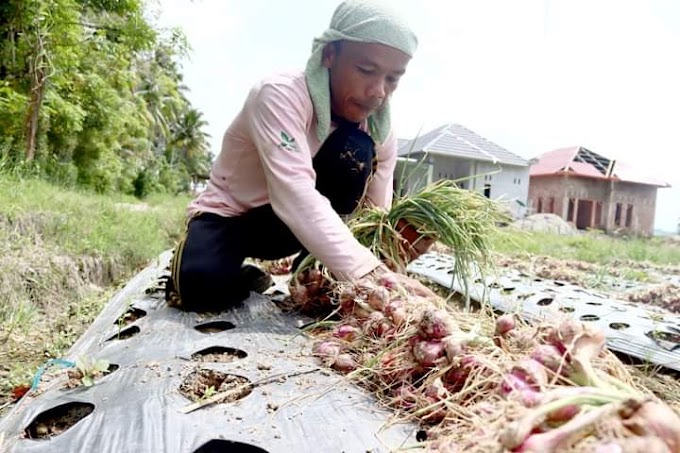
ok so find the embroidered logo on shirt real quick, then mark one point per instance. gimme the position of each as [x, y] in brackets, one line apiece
[287, 143]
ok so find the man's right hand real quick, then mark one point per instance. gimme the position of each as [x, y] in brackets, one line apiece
[411, 285]
[415, 244]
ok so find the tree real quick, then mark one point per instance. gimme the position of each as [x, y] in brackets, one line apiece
[191, 143]
[92, 94]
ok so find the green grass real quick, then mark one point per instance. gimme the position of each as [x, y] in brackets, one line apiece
[82, 223]
[63, 253]
[591, 247]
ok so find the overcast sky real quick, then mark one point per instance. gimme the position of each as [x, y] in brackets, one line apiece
[530, 75]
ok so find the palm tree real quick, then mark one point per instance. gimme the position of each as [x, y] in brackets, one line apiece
[191, 142]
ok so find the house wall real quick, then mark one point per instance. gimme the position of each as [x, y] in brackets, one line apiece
[411, 176]
[553, 194]
[450, 168]
[507, 183]
[643, 200]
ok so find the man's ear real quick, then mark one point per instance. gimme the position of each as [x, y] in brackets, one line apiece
[330, 53]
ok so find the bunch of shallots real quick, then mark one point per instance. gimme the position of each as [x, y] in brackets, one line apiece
[427, 360]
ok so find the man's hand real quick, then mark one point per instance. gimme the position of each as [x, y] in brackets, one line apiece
[411, 285]
[415, 244]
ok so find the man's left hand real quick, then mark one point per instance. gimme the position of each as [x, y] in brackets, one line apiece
[415, 243]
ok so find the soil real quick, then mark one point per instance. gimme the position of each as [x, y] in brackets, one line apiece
[218, 354]
[214, 327]
[197, 383]
[664, 295]
[75, 376]
[57, 420]
[125, 334]
[130, 316]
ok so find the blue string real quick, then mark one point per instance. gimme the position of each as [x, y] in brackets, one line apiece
[41, 370]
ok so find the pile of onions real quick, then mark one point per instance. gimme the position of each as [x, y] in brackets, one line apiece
[542, 389]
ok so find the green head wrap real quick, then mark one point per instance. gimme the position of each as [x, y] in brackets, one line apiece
[359, 21]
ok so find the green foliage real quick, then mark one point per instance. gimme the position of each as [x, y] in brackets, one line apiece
[590, 247]
[82, 223]
[12, 109]
[91, 369]
[103, 89]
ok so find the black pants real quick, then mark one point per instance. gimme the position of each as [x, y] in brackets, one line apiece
[207, 262]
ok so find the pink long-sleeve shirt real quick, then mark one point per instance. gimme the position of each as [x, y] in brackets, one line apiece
[266, 157]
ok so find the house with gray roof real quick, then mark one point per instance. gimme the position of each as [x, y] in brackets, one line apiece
[454, 152]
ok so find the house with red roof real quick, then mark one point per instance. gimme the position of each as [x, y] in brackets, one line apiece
[593, 191]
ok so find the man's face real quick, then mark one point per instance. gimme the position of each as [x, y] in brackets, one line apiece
[362, 76]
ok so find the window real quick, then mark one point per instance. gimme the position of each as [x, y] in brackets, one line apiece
[487, 190]
[617, 214]
[629, 216]
[570, 210]
[551, 205]
[539, 206]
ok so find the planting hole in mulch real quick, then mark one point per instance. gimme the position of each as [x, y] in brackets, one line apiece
[593, 303]
[130, 316]
[589, 318]
[158, 287]
[55, 421]
[214, 326]
[228, 446]
[545, 301]
[218, 354]
[567, 309]
[125, 333]
[619, 325]
[75, 376]
[421, 435]
[667, 340]
[203, 383]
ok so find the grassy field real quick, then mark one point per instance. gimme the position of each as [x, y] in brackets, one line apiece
[591, 247]
[62, 254]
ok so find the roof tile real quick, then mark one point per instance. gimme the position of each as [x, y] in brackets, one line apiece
[459, 141]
